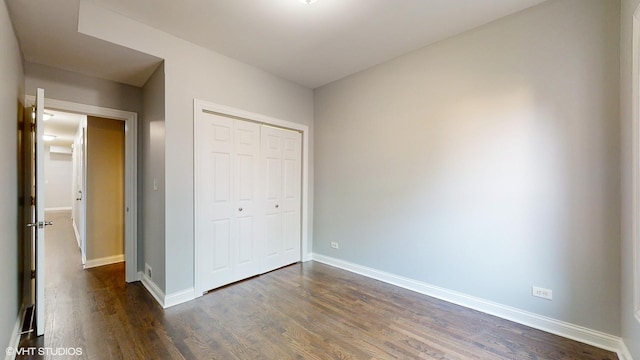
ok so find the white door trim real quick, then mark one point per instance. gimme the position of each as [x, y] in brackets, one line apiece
[198, 107]
[130, 172]
[635, 157]
[40, 219]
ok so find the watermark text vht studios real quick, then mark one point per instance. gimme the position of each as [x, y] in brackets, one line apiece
[44, 351]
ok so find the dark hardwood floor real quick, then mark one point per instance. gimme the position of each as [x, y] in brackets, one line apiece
[304, 311]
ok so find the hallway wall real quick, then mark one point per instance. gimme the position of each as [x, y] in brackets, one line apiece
[58, 172]
[69, 86]
[11, 90]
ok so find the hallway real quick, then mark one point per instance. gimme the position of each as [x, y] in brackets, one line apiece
[93, 309]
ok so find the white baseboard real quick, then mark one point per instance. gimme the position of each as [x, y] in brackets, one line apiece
[14, 342]
[557, 327]
[152, 288]
[103, 261]
[166, 301]
[623, 353]
[77, 233]
[57, 209]
[179, 297]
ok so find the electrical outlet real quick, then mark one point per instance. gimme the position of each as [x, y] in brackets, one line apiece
[334, 245]
[541, 292]
[147, 271]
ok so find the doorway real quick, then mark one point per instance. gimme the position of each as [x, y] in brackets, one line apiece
[60, 165]
[102, 191]
[84, 180]
[129, 205]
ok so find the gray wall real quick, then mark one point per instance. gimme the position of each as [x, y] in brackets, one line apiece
[11, 90]
[485, 163]
[192, 72]
[58, 171]
[151, 162]
[69, 86]
[630, 326]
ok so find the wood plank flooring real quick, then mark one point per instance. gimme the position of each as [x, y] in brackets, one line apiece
[304, 311]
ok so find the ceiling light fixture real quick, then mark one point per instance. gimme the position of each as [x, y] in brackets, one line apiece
[308, 2]
[48, 137]
[45, 116]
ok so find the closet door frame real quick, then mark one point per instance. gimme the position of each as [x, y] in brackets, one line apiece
[201, 107]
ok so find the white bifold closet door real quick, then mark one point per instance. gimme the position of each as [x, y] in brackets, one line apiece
[281, 154]
[248, 199]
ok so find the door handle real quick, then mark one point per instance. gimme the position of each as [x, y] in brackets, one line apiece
[40, 224]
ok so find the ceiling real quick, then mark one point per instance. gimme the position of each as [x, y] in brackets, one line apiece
[63, 126]
[311, 45]
[48, 34]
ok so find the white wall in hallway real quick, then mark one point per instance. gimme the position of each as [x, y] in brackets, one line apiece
[58, 176]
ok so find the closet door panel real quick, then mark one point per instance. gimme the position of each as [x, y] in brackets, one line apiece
[291, 235]
[219, 181]
[247, 261]
[221, 239]
[291, 199]
[214, 186]
[272, 183]
[281, 153]
[273, 239]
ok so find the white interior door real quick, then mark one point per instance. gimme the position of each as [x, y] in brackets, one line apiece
[82, 192]
[282, 160]
[39, 221]
[79, 191]
[227, 218]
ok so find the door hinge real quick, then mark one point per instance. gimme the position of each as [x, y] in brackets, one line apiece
[33, 201]
[33, 274]
[33, 127]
